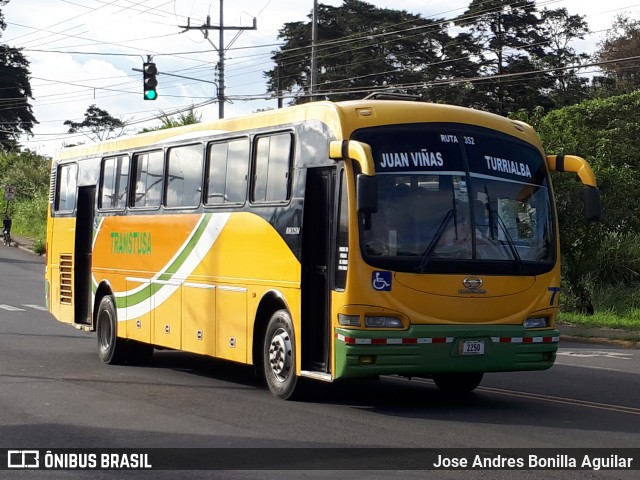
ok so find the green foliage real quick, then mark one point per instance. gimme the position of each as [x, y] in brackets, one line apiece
[605, 132]
[618, 261]
[26, 171]
[30, 219]
[29, 174]
[188, 117]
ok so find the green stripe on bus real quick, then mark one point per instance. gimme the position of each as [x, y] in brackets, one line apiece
[148, 291]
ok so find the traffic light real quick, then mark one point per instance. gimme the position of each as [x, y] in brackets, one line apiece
[149, 72]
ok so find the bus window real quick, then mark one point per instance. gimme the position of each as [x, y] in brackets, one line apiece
[226, 180]
[271, 168]
[446, 198]
[114, 184]
[66, 191]
[148, 168]
[184, 176]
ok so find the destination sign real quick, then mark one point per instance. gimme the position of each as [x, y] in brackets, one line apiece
[487, 153]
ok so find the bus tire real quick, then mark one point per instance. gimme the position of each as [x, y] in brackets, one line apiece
[457, 383]
[279, 359]
[111, 349]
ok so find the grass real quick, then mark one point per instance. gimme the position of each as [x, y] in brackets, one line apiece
[602, 320]
[616, 306]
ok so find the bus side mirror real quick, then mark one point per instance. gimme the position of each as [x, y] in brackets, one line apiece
[367, 196]
[592, 208]
[579, 166]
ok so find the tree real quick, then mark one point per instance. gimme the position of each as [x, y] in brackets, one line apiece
[361, 49]
[97, 125]
[507, 57]
[560, 29]
[622, 43]
[16, 113]
[451, 75]
[510, 37]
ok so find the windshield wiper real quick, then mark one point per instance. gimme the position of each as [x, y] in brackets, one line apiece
[434, 241]
[510, 242]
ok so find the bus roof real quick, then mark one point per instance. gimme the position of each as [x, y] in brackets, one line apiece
[342, 118]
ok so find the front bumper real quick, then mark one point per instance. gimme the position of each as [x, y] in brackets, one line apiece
[423, 350]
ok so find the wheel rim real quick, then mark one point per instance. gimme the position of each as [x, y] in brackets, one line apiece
[280, 355]
[105, 331]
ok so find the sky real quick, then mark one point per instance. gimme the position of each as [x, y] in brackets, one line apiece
[83, 52]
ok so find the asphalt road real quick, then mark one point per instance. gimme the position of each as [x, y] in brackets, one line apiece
[54, 393]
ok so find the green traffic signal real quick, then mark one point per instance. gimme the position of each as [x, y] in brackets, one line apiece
[150, 82]
[150, 94]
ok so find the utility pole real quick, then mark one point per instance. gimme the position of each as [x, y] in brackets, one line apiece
[314, 62]
[220, 49]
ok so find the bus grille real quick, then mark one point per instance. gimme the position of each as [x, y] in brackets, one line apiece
[66, 270]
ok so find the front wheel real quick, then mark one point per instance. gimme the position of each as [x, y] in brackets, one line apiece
[458, 383]
[279, 359]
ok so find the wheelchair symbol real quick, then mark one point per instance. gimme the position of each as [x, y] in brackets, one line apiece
[381, 281]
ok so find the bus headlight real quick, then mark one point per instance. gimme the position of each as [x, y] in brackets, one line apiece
[536, 322]
[349, 320]
[382, 322]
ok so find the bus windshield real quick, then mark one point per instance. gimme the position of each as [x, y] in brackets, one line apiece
[455, 198]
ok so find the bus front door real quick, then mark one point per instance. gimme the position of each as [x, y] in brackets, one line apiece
[82, 256]
[316, 252]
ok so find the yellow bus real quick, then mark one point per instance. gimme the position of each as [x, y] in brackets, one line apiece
[327, 240]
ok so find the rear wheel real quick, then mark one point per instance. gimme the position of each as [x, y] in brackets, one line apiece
[279, 360]
[111, 349]
[458, 383]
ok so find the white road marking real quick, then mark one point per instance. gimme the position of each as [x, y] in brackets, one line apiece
[37, 307]
[11, 308]
[591, 353]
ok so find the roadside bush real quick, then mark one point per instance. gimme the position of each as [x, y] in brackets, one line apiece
[618, 260]
[30, 219]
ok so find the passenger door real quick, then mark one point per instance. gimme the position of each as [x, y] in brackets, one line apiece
[318, 226]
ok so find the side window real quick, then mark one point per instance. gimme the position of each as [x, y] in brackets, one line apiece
[184, 176]
[148, 169]
[227, 173]
[66, 188]
[272, 166]
[114, 182]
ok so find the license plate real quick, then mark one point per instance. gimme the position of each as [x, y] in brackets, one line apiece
[472, 347]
